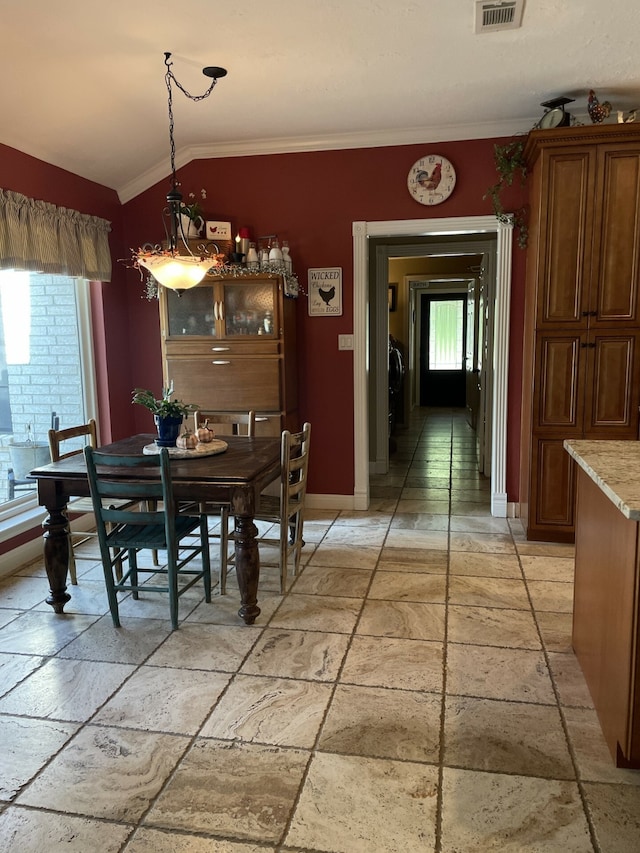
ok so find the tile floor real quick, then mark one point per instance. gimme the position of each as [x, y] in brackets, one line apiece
[415, 690]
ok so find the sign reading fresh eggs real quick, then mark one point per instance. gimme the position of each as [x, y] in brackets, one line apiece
[325, 292]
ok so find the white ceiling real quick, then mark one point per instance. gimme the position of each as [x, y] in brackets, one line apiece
[83, 80]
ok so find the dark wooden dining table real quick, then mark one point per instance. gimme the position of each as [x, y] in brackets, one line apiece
[235, 477]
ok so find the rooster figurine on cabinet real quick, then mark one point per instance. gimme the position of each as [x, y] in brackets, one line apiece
[598, 112]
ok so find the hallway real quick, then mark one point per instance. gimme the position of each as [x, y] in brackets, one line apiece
[414, 691]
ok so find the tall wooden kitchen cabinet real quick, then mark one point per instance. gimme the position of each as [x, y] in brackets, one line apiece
[229, 345]
[581, 368]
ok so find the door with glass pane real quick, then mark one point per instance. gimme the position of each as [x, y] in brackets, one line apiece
[442, 350]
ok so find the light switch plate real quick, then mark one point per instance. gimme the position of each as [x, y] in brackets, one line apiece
[345, 341]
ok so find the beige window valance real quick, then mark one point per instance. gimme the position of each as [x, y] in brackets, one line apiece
[40, 237]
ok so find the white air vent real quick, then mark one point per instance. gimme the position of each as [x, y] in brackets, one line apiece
[492, 16]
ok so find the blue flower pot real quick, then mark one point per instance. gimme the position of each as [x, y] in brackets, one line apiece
[168, 430]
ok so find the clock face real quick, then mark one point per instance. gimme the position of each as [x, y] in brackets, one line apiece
[431, 179]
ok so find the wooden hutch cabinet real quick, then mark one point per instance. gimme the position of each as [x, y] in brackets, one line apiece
[229, 345]
[581, 368]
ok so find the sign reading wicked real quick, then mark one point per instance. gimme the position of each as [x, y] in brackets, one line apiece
[325, 292]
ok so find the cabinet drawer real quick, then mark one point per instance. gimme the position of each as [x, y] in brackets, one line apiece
[231, 384]
[210, 347]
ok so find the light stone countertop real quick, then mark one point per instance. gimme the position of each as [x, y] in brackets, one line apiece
[615, 467]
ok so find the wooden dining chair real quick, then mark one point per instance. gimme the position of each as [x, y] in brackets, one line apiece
[155, 525]
[285, 510]
[223, 423]
[64, 443]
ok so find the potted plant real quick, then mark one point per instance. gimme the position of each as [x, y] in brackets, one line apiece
[168, 414]
[510, 161]
[191, 213]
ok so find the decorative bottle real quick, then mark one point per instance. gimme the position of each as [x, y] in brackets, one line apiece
[264, 257]
[286, 257]
[275, 255]
[252, 260]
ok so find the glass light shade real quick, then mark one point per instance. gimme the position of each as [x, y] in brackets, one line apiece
[177, 272]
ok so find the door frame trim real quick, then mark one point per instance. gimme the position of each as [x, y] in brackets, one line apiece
[361, 232]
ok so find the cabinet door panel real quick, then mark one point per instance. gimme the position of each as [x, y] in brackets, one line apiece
[227, 384]
[558, 399]
[190, 314]
[563, 238]
[553, 495]
[616, 267]
[612, 383]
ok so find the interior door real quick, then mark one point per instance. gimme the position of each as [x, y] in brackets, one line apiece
[442, 350]
[471, 357]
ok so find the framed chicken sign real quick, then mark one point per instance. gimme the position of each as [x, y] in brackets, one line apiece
[325, 292]
[431, 179]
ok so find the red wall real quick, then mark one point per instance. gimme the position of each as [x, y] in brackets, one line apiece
[311, 199]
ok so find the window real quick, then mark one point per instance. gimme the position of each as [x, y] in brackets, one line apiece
[446, 334]
[46, 373]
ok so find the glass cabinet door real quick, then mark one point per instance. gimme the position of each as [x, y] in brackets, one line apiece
[249, 308]
[192, 313]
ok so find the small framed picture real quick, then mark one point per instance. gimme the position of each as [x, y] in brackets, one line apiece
[393, 297]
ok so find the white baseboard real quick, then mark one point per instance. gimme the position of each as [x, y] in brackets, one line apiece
[330, 501]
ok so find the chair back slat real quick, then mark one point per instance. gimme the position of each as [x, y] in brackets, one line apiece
[103, 485]
[59, 437]
[227, 423]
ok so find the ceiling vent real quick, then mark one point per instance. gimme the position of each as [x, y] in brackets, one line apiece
[492, 16]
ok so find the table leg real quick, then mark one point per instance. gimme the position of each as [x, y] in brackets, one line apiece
[56, 556]
[247, 567]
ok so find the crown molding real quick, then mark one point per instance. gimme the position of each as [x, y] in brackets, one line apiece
[304, 144]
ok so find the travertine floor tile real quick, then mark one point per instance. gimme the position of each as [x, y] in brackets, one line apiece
[351, 804]
[492, 813]
[551, 596]
[593, 757]
[317, 613]
[240, 790]
[280, 711]
[492, 626]
[35, 633]
[327, 580]
[383, 723]
[433, 540]
[493, 673]
[30, 831]
[161, 841]
[106, 772]
[387, 662]
[569, 680]
[413, 560]
[26, 746]
[408, 586]
[506, 737]
[484, 565]
[66, 689]
[409, 619]
[494, 543]
[615, 810]
[162, 699]
[489, 592]
[14, 668]
[344, 555]
[556, 629]
[548, 568]
[131, 643]
[315, 655]
[207, 647]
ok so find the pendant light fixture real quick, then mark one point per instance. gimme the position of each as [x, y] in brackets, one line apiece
[172, 268]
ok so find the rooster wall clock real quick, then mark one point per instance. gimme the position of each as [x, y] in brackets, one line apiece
[431, 179]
